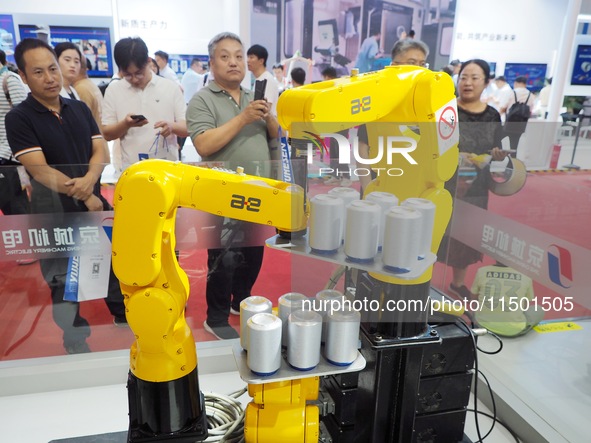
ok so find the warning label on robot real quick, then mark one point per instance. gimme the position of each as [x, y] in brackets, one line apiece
[447, 126]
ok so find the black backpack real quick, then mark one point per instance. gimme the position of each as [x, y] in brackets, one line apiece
[105, 84]
[519, 112]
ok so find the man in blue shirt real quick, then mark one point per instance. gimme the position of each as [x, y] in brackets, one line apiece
[369, 51]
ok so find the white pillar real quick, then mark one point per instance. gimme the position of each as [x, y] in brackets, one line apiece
[565, 47]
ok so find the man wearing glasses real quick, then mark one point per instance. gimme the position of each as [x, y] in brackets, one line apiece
[410, 52]
[145, 112]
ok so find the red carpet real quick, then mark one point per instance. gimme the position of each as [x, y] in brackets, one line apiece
[557, 204]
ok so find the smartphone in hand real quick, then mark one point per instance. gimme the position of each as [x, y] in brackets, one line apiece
[259, 89]
[138, 117]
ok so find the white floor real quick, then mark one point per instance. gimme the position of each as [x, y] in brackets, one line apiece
[546, 380]
[99, 410]
[35, 416]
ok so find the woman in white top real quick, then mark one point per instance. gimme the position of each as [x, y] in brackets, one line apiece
[68, 57]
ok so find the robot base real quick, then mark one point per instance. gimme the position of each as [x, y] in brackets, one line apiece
[166, 411]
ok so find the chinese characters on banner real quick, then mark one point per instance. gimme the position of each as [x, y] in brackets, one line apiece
[555, 263]
[512, 249]
[152, 24]
[486, 36]
[42, 236]
[54, 235]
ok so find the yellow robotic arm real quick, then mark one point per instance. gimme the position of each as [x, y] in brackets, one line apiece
[163, 387]
[411, 114]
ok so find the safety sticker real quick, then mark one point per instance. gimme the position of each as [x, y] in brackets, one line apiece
[447, 126]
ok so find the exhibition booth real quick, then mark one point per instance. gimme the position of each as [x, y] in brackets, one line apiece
[534, 369]
[538, 378]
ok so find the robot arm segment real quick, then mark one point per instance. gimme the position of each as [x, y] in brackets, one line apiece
[398, 99]
[155, 288]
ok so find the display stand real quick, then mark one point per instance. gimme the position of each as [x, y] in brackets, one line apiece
[300, 246]
[286, 372]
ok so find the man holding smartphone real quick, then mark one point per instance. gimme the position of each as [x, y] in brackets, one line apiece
[227, 125]
[145, 112]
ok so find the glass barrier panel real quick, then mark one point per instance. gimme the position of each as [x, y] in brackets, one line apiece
[527, 228]
[537, 230]
[47, 254]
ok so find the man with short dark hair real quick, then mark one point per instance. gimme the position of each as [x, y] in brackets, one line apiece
[523, 94]
[279, 75]
[298, 77]
[145, 111]
[60, 145]
[227, 125]
[329, 73]
[257, 64]
[501, 95]
[166, 71]
[514, 130]
[192, 80]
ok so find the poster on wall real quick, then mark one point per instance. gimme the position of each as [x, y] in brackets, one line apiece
[331, 34]
[535, 73]
[179, 63]
[7, 36]
[94, 43]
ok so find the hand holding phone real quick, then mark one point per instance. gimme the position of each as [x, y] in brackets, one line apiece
[259, 89]
[138, 117]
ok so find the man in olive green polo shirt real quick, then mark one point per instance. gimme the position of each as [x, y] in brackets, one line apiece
[227, 125]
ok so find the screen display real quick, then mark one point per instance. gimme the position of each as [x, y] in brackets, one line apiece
[535, 73]
[179, 63]
[7, 36]
[493, 67]
[94, 43]
[293, 27]
[582, 66]
[395, 22]
[327, 34]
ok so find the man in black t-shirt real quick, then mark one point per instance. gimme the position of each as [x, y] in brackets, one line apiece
[61, 147]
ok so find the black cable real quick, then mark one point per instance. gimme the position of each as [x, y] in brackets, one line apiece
[478, 371]
[500, 345]
[515, 436]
